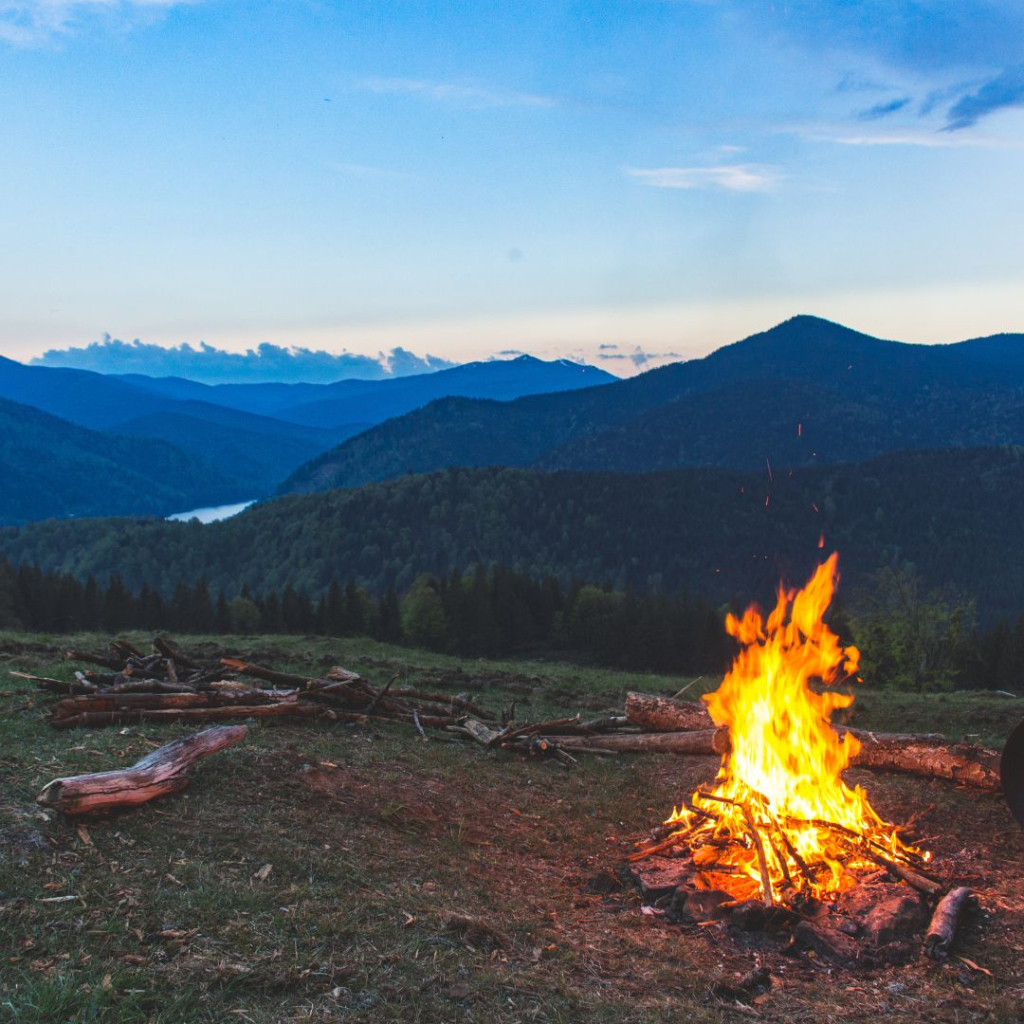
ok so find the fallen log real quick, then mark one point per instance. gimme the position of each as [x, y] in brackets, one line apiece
[917, 753]
[913, 753]
[939, 939]
[288, 679]
[95, 718]
[104, 661]
[101, 702]
[57, 685]
[666, 714]
[158, 774]
[928, 755]
[706, 742]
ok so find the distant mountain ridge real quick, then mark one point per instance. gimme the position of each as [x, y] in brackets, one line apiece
[246, 434]
[807, 391]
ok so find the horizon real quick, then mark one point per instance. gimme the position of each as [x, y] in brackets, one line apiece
[627, 186]
[394, 365]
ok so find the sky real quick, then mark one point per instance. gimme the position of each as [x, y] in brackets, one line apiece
[622, 182]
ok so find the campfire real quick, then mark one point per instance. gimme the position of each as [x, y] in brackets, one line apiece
[778, 841]
[779, 822]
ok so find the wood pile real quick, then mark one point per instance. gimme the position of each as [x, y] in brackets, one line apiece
[127, 686]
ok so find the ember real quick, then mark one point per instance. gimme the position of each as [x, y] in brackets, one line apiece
[779, 822]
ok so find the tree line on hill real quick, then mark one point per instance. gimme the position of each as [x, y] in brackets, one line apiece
[910, 638]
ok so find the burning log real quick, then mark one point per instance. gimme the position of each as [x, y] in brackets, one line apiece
[926, 754]
[939, 939]
[158, 774]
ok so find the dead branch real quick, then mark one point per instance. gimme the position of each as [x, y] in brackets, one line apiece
[159, 773]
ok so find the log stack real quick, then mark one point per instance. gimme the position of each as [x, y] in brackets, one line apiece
[126, 686]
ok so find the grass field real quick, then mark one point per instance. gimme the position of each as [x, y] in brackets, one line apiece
[311, 873]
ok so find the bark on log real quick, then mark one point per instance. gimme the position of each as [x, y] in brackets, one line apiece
[56, 685]
[708, 742]
[666, 714]
[913, 753]
[105, 702]
[270, 675]
[939, 939]
[159, 773]
[928, 755]
[95, 718]
[917, 753]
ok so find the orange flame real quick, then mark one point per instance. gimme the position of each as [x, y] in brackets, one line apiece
[779, 806]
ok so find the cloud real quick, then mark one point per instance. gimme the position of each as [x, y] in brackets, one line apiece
[638, 357]
[215, 366]
[31, 22]
[1005, 90]
[927, 139]
[730, 177]
[454, 94]
[603, 348]
[880, 110]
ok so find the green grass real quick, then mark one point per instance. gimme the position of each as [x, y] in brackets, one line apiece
[375, 838]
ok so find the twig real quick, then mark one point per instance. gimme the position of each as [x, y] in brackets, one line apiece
[419, 727]
[762, 861]
[381, 695]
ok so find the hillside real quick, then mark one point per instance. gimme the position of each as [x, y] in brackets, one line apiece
[806, 391]
[257, 434]
[255, 450]
[718, 534]
[52, 468]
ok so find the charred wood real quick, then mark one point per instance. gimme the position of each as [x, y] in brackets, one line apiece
[939, 939]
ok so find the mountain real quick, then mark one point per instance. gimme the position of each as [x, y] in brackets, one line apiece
[500, 379]
[348, 402]
[255, 435]
[717, 534]
[807, 391]
[52, 468]
[257, 451]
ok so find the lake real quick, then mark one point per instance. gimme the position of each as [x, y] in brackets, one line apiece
[211, 514]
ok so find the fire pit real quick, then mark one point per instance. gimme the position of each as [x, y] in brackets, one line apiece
[778, 840]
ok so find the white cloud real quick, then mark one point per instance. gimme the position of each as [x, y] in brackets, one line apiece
[465, 95]
[31, 22]
[731, 177]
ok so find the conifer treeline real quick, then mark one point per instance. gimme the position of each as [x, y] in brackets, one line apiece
[488, 612]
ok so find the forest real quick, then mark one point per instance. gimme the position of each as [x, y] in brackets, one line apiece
[720, 535]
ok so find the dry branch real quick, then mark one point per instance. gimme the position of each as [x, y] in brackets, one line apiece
[159, 773]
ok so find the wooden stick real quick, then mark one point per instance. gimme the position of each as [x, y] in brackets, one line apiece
[939, 940]
[57, 685]
[157, 774]
[268, 674]
[93, 718]
[762, 860]
[706, 742]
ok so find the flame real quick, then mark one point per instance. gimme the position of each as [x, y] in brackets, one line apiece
[779, 819]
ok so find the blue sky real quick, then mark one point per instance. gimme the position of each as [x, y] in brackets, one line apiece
[662, 176]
